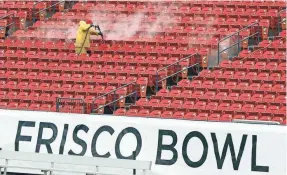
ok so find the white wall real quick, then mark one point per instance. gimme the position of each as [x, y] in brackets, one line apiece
[270, 147]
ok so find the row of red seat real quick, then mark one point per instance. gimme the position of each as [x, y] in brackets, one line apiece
[54, 62]
[181, 29]
[23, 78]
[235, 94]
[56, 90]
[253, 73]
[226, 105]
[125, 19]
[176, 7]
[28, 106]
[197, 115]
[278, 86]
[99, 65]
[115, 49]
[28, 5]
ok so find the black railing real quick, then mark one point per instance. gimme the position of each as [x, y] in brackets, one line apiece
[114, 102]
[177, 72]
[77, 105]
[238, 39]
[34, 13]
[280, 21]
[113, 92]
[13, 22]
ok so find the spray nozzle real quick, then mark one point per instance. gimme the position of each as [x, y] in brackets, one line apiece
[100, 32]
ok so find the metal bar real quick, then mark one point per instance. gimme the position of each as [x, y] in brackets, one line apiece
[76, 101]
[177, 62]
[93, 104]
[57, 105]
[34, 9]
[256, 23]
[279, 19]
[2, 17]
[3, 27]
[218, 52]
[71, 98]
[134, 158]
[49, 7]
[114, 101]
[186, 68]
[239, 42]
[115, 90]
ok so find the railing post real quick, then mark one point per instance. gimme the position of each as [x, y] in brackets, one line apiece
[136, 92]
[156, 82]
[54, 8]
[93, 106]
[84, 106]
[57, 104]
[238, 44]
[218, 52]
[33, 12]
[114, 100]
[177, 77]
[134, 158]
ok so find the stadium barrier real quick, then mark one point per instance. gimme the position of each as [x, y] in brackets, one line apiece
[175, 147]
[43, 12]
[10, 24]
[178, 69]
[49, 163]
[281, 21]
[71, 105]
[239, 40]
[121, 92]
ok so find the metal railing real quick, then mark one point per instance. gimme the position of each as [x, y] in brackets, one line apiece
[280, 21]
[177, 72]
[113, 92]
[13, 23]
[34, 13]
[238, 43]
[255, 122]
[77, 105]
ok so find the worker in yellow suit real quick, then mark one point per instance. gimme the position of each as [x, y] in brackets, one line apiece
[85, 30]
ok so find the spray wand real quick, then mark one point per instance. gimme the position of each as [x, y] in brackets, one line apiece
[98, 27]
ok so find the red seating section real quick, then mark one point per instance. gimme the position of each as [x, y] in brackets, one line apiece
[19, 12]
[38, 64]
[252, 88]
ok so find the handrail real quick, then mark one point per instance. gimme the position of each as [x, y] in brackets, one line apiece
[113, 102]
[279, 19]
[255, 122]
[238, 39]
[176, 73]
[12, 14]
[12, 23]
[33, 10]
[186, 68]
[72, 99]
[113, 91]
[34, 6]
[50, 6]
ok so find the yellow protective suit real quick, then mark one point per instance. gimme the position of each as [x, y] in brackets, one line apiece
[81, 34]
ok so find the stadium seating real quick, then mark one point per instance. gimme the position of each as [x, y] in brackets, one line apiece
[38, 64]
